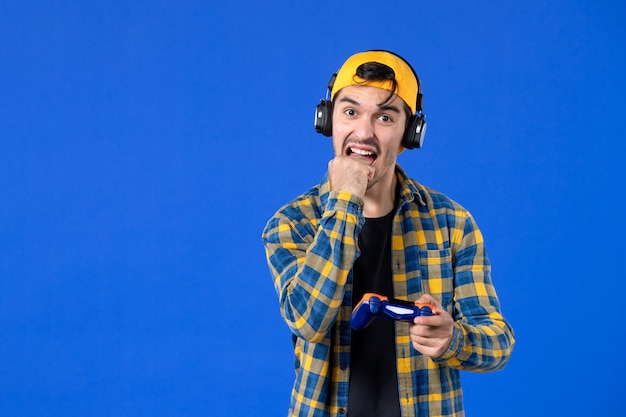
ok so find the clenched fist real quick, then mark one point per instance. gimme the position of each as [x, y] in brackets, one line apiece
[350, 174]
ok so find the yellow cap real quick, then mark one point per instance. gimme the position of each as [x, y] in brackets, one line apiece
[407, 88]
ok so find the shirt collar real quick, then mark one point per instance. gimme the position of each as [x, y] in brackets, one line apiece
[409, 188]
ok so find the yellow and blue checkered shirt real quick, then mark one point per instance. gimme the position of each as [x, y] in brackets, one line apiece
[437, 248]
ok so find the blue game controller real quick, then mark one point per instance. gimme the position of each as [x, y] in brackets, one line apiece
[374, 305]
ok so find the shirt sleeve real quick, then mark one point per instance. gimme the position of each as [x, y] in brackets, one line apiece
[310, 260]
[482, 339]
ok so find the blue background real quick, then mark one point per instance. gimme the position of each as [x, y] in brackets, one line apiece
[143, 146]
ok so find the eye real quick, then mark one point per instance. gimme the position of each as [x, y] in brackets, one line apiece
[350, 112]
[385, 118]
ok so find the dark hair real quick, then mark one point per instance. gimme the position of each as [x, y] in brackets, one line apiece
[375, 71]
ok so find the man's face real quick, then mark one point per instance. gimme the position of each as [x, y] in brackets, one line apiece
[365, 128]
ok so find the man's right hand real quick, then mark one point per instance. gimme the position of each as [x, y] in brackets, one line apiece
[350, 174]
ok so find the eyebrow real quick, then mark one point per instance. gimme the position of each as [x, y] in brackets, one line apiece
[384, 107]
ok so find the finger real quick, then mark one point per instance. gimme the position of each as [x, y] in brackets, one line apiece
[427, 327]
[423, 342]
[428, 321]
[430, 350]
[429, 299]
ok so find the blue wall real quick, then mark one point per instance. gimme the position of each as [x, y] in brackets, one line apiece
[143, 145]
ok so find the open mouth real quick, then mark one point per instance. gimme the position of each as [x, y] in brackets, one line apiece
[369, 156]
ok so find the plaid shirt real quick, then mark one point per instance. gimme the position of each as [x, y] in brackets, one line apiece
[311, 247]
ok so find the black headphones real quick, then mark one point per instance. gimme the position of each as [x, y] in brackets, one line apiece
[415, 128]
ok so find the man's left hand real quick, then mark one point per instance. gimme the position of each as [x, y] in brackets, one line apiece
[431, 335]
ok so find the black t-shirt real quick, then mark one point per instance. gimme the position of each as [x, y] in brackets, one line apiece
[373, 388]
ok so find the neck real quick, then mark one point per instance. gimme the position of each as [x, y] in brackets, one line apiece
[381, 198]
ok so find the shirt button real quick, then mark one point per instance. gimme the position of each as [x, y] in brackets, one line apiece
[342, 411]
[343, 367]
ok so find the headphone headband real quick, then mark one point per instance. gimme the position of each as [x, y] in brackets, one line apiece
[408, 88]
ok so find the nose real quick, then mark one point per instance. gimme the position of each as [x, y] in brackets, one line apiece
[364, 128]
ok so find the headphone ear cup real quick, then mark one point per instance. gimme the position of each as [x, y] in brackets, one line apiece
[415, 132]
[324, 118]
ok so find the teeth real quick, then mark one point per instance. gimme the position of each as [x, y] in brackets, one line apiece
[362, 152]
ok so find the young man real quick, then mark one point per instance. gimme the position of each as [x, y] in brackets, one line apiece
[369, 228]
